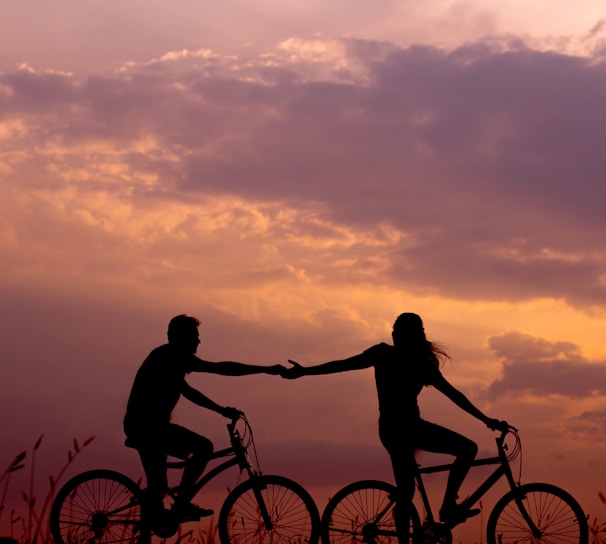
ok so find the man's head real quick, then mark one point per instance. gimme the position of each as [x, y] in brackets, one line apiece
[183, 333]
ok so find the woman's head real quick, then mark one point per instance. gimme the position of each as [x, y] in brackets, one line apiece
[408, 327]
[408, 331]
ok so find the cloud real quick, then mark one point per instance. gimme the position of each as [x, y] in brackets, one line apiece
[589, 425]
[296, 200]
[544, 369]
[474, 173]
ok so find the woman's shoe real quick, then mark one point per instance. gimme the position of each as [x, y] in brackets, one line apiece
[190, 512]
[456, 513]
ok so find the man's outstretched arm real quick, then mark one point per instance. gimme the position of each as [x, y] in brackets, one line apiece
[232, 368]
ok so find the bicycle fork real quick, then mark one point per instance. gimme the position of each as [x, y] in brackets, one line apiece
[519, 496]
[257, 490]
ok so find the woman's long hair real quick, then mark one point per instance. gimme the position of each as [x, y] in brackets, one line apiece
[408, 329]
[438, 353]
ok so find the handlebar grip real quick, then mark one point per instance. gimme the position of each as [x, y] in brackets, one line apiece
[235, 420]
[504, 431]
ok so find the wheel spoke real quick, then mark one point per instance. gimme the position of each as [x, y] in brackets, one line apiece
[362, 512]
[556, 515]
[97, 507]
[291, 511]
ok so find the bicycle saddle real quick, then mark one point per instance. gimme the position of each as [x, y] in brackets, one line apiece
[132, 443]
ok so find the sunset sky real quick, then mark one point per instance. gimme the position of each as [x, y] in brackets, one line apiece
[296, 174]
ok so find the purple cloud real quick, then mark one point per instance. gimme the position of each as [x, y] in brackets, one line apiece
[543, 368]
[487, 158]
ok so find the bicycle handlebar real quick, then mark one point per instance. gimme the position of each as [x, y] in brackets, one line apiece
[504, 432]
[234, 420]
[504, 429]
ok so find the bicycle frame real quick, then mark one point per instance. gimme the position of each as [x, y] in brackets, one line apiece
[238, 457]
[103, 505]
[504, 469]
[238, 454]
[366, 512]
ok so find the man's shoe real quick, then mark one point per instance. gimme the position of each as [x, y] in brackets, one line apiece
[190, 512]
[453, 515]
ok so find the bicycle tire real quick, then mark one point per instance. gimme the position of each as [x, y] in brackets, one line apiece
[98, 507]
[557, 515]
[293, 513]
[350, 515]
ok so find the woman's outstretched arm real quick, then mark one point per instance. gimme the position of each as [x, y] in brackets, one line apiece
[357, 362]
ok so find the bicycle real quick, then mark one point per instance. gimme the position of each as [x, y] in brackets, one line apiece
[104, 506]
[362, 512]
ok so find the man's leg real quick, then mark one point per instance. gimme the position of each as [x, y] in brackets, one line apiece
[154, 465]
[197, 450]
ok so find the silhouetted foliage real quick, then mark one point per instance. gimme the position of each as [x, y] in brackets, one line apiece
[31, 527]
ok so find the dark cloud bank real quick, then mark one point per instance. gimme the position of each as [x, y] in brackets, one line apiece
[542, 368]
[554, 372]
[489, 157]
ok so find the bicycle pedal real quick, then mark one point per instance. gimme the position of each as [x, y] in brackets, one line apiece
[435, 533]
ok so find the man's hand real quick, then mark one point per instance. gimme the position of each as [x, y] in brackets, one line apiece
[231, 413]
[296, 371]
[497, 425]
[276, 370]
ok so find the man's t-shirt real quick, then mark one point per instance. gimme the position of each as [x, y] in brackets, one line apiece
[156, 390]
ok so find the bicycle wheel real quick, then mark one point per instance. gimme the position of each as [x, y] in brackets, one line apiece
[98, 507]
[363, 512]
[557, 516]
[293, 513]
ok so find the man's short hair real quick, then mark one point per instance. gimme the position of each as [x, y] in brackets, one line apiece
[180, 326]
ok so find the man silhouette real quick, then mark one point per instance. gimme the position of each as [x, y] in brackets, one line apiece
[158, 385]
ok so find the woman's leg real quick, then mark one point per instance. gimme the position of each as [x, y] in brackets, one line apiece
[403, 462]
[437, 439]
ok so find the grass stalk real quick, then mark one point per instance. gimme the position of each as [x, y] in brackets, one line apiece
[34, 525]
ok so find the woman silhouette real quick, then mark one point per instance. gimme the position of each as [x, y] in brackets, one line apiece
[401, 372]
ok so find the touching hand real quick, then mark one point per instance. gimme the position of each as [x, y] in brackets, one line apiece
[296, 371]
[276, 370]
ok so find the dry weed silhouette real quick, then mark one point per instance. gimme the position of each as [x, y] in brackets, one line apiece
[31, 526]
